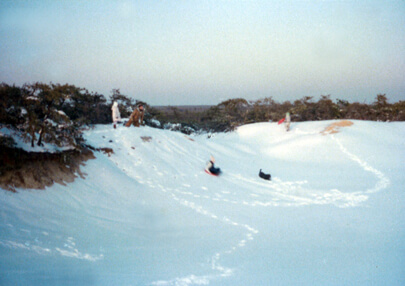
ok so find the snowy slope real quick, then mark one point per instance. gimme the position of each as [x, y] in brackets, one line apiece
[333, 213]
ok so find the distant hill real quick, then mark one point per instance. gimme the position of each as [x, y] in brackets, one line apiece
[183, 108]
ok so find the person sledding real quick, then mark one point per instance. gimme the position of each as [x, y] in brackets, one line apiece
[211, 169]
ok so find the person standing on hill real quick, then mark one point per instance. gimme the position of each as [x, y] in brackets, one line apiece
[136, 117]
[116, 115]
[287, 121]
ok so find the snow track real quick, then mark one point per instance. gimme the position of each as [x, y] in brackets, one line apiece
[151, 163]
[148, 214]
[383, 181]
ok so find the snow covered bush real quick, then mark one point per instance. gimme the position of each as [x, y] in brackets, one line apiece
[34, 112]
[154, 123]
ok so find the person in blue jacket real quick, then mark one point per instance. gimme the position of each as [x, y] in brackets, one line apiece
[210, 168]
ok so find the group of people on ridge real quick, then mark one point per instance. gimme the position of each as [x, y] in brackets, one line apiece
[135, 119]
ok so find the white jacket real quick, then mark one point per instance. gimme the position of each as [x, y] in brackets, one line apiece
[116, 115]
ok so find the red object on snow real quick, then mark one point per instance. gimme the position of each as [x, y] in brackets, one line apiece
[281, 121]
[209, 173]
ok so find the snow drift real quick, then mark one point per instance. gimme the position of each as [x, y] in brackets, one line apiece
[148, 214]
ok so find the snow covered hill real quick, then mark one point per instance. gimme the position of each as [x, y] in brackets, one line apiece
[148, 214]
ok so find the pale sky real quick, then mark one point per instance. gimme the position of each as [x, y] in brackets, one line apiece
[188, 52]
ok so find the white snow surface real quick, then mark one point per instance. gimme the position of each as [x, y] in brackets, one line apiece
[333, 213]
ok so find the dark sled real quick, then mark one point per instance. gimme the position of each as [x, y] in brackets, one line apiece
[264, 175]
[213, 174]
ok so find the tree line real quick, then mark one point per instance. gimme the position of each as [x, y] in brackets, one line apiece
[229, 114]
[57, 114]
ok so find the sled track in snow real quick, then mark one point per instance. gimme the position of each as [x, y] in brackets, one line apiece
[189, 193]
[184, 190]
[284, 194]
[383, 181]
[215, 265]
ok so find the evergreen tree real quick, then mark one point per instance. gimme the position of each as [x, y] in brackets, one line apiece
[125, 104]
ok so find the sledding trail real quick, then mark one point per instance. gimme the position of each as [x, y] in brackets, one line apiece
[171, 164]
[306, 144]
[215, 259]
[187, 191]
[246, 192]
[383, 181]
